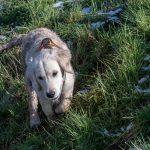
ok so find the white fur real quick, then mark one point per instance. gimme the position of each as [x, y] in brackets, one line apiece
[44, 64]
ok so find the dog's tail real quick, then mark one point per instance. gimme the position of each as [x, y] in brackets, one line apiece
[16, 41]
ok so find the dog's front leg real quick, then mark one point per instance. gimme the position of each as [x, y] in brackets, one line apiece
[66, 97]
[33, 106]
[47, 108]
[65, 101]
[63, 106]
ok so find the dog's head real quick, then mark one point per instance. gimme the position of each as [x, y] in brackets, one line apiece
[48, 71]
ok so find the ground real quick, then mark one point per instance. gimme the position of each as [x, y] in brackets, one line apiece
[111, 57]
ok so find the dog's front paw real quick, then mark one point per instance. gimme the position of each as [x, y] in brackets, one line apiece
[62, 108]
[51, 117]
[35, 122]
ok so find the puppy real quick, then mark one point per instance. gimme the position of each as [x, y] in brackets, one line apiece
[48, 72]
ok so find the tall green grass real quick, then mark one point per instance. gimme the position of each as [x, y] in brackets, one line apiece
[108, 63]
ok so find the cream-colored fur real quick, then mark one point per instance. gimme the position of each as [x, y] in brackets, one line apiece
[47, 70]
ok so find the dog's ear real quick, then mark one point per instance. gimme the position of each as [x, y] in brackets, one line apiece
[64, 60]
[63, 55]
[48, 43]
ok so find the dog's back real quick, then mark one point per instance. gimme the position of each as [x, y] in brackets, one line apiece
[32, 41]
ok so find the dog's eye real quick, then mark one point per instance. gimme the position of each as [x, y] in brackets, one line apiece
[55, 73]
[41, 78]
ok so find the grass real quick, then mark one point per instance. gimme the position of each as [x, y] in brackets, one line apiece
[108, 61]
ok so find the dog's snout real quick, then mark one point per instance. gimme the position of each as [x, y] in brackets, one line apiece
[50, 94]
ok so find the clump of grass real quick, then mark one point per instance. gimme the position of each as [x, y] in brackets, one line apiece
[15, 14]
[26, 13]
[141, 143]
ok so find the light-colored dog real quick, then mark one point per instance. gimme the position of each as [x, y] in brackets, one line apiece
[48, 72]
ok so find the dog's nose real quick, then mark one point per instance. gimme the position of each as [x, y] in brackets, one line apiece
[50, 94]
